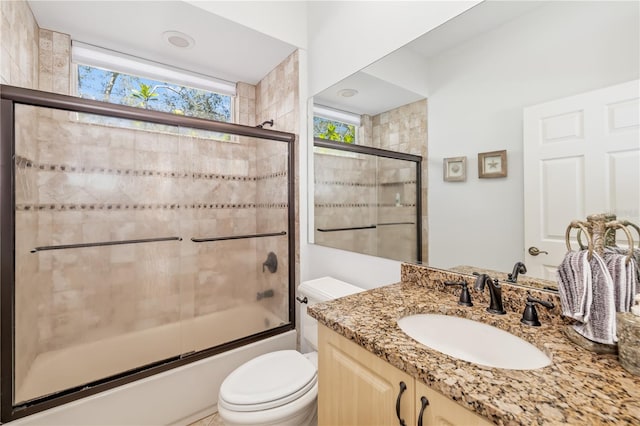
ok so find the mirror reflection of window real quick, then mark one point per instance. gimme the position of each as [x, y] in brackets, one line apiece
[335, 125]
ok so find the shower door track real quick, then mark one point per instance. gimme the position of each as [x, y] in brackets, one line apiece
[9, 97]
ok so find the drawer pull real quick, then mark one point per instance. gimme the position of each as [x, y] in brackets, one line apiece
[403, 387]
[425, 402]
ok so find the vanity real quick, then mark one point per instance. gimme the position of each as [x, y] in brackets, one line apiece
[371, 372]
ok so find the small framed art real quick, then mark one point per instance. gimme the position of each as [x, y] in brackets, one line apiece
[492, 164]
[455, 169]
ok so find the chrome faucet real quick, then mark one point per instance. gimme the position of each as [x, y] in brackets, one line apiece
[518, 268]
[495, 291]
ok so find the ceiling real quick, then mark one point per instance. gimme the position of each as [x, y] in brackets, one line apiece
[223, 49]
[377, 95]
[374, 96]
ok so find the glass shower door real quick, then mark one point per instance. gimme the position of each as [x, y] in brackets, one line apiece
[237, 257]
[396, 211]
[97, 245]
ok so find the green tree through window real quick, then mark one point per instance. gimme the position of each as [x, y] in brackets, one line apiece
[119, 88]
[332, 130]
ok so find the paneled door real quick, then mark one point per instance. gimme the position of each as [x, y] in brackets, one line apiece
[581, 157]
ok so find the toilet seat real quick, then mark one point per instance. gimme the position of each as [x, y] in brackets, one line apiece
[268, 381]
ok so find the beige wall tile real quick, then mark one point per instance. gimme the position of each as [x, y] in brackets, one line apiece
[19, 35]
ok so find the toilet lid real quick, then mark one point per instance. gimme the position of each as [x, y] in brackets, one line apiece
[268, 381]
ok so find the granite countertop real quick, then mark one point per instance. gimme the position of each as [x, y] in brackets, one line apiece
[579, 387]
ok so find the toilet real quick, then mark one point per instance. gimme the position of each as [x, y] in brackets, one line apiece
[280, 388]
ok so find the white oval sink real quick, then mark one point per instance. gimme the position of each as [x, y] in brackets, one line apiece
[473, 341]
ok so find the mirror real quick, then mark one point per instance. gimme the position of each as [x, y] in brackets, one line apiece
[478, 72]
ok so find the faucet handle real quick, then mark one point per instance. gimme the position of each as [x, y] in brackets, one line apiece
[530, 315]
[465, 296]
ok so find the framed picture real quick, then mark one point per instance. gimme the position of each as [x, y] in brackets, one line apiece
[492, 164]
[455, 169]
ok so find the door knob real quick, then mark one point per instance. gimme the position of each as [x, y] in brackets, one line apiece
[534, 251]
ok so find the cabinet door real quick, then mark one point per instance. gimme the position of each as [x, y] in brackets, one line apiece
[443, 411]
[357, 388]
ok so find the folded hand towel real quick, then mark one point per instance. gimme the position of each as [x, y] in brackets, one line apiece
[575, 285]
[632, 266]
[601, 325]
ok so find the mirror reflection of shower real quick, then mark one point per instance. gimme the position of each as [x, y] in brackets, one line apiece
[368, 187]
[367, 200]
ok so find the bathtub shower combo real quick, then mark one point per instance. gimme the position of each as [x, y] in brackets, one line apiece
[133, 242]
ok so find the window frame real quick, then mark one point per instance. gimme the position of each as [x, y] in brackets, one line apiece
[87, 55]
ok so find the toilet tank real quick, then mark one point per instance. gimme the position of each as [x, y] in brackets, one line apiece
[319, 290]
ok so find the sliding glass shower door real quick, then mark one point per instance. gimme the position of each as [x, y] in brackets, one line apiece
[137, 245]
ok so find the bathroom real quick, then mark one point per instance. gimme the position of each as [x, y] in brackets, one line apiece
[488, 212]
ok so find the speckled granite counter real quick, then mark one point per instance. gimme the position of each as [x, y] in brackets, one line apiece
[579, 387]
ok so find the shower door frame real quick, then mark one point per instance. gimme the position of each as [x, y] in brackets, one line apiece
[9, 97]
[385, 153]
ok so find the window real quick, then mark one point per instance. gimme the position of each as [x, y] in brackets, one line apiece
[324, 128]
[126, 89]
[113, 77]
[335, 125]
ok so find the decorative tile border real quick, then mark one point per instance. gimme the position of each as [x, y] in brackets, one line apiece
[139, 207]
[363, 184]
[340, 183]
[25, 163]
[350, 205]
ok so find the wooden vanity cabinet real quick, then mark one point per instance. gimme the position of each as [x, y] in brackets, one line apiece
[356, 387]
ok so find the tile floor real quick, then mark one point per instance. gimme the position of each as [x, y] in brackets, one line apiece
[212, 420]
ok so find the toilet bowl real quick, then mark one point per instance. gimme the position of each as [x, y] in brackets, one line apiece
[280, 388]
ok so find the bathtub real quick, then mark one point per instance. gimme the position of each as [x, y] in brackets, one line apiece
[174, 397]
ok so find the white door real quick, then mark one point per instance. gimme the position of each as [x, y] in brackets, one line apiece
[581, 157]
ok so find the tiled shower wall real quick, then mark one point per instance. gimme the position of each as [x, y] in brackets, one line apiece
[79, 183]
[32, 57]
[19, 49]
[54, 61]
[277, 98]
